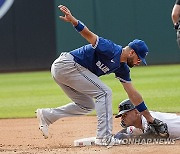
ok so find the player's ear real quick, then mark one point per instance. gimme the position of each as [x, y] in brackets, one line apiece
[131, 52]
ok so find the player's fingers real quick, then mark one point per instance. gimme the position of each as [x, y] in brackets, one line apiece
[60, 6]
[64, 9]
[63, 18]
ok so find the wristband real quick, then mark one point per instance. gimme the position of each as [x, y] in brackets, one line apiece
[80, 26]
[141, 107]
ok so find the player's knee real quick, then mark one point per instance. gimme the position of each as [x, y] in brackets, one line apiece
[90, 110]
[91, 107]
[104, 93]
[178, 39]
[108, 92]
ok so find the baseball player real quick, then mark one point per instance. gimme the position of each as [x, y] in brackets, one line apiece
[175, 19]
[77, 72]
[135, 123]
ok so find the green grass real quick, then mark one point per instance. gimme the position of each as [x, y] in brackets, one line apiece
[22, 93]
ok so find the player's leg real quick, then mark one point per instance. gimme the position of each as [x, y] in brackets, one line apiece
[73, 75]
[82, 80]
[84, 105]
[178, 37]
[95, 88]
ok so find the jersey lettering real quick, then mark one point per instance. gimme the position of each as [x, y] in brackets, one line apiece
[101, 66]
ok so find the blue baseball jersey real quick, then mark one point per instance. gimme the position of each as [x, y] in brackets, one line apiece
[103, 58]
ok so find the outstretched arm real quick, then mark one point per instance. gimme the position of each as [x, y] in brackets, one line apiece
[85, 32]
[136, 99]
[157, 125]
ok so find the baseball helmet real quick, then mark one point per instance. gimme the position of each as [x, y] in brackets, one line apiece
[124, 107]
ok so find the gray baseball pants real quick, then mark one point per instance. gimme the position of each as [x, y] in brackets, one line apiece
[86, 91]
[178, 37]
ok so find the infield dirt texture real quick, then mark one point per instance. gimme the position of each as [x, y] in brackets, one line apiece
[22, 136]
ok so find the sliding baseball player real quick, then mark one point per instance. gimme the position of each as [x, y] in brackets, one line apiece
[134, 122]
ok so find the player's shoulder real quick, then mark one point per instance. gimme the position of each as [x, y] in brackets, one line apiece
[105, 41]
[123, 70]
[123, 73]
[124, 67]
[161, 115]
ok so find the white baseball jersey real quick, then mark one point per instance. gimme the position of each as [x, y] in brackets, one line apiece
[172, 121]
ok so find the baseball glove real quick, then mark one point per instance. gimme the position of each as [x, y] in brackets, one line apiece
[159, 128]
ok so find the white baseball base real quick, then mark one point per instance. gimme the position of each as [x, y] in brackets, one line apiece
[85, 141]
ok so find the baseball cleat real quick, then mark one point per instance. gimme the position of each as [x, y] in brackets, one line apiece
[43, 127]
[109, 140]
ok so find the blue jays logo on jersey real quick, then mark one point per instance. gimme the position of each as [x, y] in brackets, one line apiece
[101, 66]
[5, 6]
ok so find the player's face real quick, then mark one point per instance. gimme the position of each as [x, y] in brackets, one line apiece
[137, 60]
[130, 62]
[129, 118]
[133, 59]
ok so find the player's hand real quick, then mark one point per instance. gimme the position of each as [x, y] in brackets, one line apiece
[159, 128]
[67, 14]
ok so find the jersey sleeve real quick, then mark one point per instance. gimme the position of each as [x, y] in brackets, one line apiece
[106, 47]
[123, 73]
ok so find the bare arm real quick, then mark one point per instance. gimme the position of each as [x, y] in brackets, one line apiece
[136, 99]
[175, 14]
[68, 17]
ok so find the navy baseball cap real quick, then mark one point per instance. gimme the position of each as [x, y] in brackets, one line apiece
[140, 48]
[125, 106]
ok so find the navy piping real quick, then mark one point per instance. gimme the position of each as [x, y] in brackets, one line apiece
[98, 86]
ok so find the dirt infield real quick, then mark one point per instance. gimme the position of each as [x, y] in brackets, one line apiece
[22, 136]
